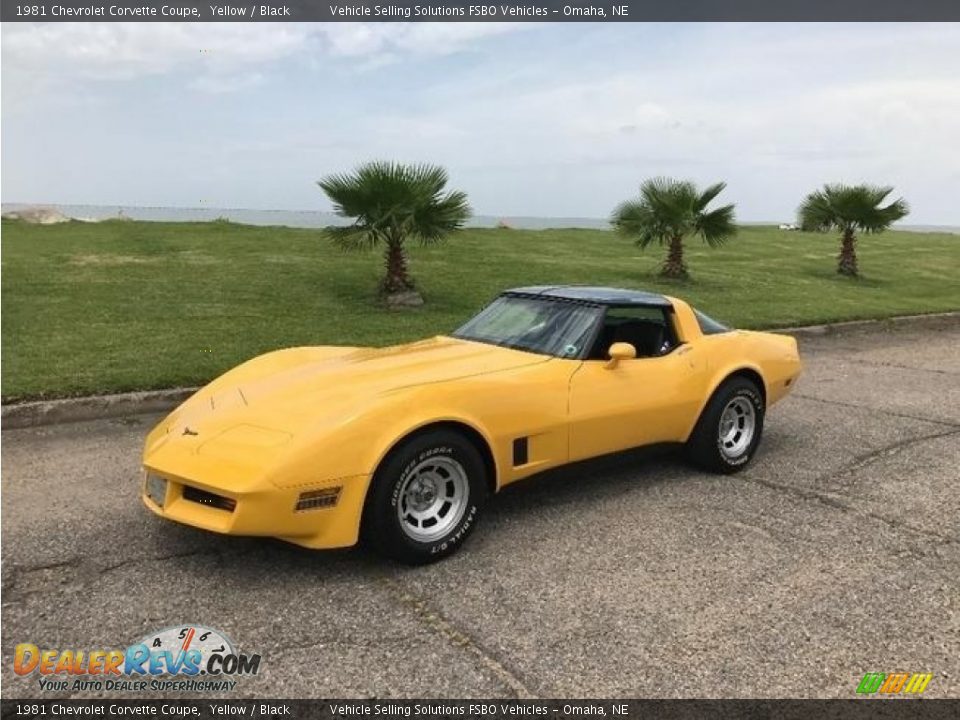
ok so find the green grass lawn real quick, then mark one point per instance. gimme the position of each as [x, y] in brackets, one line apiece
[116, 306]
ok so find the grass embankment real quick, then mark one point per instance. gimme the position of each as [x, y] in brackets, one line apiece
[114, 306]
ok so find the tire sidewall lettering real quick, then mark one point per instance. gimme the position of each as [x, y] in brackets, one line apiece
[444, 450]
[462, 529]
[757, 403]
[459, 534]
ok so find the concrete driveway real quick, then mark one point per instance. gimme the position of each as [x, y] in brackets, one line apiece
[835, 554]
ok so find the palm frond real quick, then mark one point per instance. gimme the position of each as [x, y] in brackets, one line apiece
[851, 208]
[433, 221]
[709, 195]
[815, 213]
[352, 237]
[392, 201]
[669, 208]
[717, 226]
[673, 202]
[637, 220]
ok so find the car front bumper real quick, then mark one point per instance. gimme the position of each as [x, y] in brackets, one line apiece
[325, 515]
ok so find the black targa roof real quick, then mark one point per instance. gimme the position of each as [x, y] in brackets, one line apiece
[591, 294]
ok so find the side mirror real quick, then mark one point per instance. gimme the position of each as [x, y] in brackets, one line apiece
[620, 351]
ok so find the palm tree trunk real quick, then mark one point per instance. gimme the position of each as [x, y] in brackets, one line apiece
[847, 259]
[397, 279]
[674, 266]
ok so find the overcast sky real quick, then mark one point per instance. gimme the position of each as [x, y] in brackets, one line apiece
[546, 120]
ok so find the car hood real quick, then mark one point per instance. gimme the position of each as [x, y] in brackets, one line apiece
[288, 389]
[365, 371]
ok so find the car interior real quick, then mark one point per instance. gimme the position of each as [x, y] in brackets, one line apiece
[648, 329]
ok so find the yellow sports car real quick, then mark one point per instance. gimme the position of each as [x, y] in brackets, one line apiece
[402, 445]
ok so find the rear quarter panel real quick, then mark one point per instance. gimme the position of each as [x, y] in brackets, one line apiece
[773, 357]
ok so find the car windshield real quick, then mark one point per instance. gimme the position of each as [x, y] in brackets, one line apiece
[540, 325]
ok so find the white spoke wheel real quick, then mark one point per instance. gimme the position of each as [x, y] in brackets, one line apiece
[730, 427]
[426, 497]
[432, 498]
[737, 425]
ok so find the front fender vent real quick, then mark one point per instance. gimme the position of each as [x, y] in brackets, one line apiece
[318, 499]
[521, 451]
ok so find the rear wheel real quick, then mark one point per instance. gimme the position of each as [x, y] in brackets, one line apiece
[426, 498]
[729, 429]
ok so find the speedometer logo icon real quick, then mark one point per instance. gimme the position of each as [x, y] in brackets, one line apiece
[181, 639]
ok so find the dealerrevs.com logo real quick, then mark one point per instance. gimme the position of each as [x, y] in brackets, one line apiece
[190, 658]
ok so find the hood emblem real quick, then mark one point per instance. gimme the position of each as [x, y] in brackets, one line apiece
[188, 431]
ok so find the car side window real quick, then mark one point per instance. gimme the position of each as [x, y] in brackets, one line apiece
[649, 329]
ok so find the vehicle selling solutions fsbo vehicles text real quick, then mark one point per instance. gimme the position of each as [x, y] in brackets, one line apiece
[475, 11]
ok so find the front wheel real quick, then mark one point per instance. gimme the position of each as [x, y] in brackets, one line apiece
[426, 498]
[729, 429]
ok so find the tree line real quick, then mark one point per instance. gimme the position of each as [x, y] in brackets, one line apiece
[392, 204]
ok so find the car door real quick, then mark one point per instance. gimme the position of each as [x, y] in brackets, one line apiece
[638, 402]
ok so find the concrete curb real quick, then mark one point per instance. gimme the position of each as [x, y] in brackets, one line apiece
[927, 321]
[95, 407]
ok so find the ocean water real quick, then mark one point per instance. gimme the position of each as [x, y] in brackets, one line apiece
[317, 219]
[289, 218]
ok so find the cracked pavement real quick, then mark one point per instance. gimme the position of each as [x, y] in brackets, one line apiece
[836, 553]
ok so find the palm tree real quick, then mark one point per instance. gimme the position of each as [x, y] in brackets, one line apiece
[850, 209]
[392, 203]
[667, 212]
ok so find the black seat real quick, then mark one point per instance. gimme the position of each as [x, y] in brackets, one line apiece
[646, 337]
[602, 344]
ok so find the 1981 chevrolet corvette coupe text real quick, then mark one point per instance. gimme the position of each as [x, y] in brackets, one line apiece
[402, 445]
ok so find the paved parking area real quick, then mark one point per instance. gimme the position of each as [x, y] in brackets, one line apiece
[836, 553]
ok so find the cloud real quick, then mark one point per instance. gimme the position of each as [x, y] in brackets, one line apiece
[124, 50]
[217, 83]
[112, 51]
[360, 39]
[774, 111]
[563, 121]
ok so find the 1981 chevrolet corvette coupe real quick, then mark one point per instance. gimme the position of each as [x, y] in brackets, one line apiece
[402, 445]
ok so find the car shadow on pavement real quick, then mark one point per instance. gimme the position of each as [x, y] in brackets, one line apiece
[571, 486]
[590, 480]
[252, 557]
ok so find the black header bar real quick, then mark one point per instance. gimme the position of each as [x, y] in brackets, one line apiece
[491, 709]
[477, 11]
